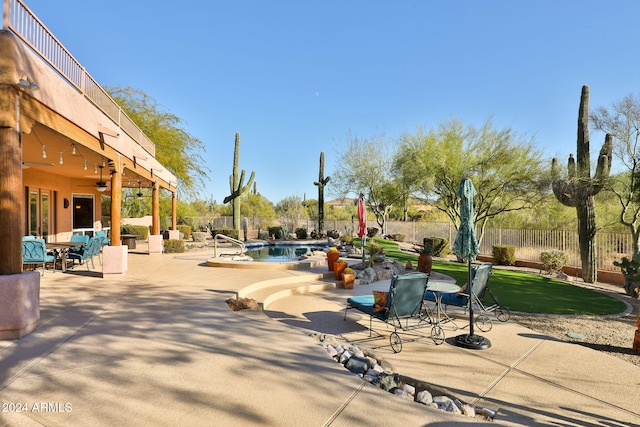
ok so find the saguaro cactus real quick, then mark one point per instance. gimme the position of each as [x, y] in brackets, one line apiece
[321, 182]
[578, 189]
[236, 185]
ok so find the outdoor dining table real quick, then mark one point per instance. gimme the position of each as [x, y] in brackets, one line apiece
[61, 249]
[440, 288]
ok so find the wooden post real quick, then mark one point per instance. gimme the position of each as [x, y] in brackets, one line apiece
[636, 340]
[174, 211]
[116, 206]
[155, 210]
[11, 187]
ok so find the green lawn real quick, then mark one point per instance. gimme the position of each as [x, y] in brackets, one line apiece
[524, 292]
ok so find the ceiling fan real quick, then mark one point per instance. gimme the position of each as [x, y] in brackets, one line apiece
[101, 186]
[27, 165]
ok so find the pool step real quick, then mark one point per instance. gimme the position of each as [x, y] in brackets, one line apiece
[268, 291]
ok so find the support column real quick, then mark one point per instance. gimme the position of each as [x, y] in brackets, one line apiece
[11, 187]
[155, 210]
[115, 256]
[19, 292]
[174, 210]
[116, 208]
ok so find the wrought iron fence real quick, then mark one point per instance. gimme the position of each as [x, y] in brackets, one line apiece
[528, 243]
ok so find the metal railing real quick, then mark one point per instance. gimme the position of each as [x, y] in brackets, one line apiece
[528, 243]
[228, 239]
[18, 18]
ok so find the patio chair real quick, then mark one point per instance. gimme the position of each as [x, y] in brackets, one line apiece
[85, 253]
[103, 236]
[34, 252]
[104, 241]
[403, 310]
[479, 286]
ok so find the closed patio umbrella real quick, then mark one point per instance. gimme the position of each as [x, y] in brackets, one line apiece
[362, 223]
[466, 247]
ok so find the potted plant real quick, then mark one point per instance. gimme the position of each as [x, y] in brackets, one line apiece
[425, 259]
[332, 256]
[338, 268]
[348, 278]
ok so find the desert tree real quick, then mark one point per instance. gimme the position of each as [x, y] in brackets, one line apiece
[622, 122]
[505, 167]
[365, 165]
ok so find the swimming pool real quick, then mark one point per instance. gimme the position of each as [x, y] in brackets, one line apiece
[281, 252]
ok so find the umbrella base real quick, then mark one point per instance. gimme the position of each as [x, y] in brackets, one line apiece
[473, 342]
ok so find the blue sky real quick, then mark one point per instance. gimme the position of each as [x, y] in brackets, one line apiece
[296, 77]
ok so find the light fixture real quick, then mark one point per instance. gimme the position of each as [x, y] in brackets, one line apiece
[101, 186]
[73, 149]
[25, 83]
[44, 152]
[61, 161]
[139, 195]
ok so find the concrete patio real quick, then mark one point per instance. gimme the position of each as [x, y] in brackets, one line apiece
[160, 347]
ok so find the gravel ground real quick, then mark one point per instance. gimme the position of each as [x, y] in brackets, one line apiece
[610, 334]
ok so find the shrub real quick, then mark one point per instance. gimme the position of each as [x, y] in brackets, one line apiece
[436, 246]
[553, 260]
[398, 237]
[346, 239]
[504, 254]
[185, 230]
[140, 230]
[348, 270]
[229, 232]
[375, 249]
[276, 231]
[334, 234]
[173, 246]
[301, 233]
[372, 231]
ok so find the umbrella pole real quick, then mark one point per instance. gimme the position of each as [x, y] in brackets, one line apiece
[471, 340]
[364, 242]
[470, 301]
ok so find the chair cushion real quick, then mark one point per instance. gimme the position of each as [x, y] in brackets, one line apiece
[363, 303]
[447, 299]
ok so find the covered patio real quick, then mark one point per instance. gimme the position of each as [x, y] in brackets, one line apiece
[67, 151]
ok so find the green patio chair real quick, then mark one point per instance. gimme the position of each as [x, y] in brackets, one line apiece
[404, 308]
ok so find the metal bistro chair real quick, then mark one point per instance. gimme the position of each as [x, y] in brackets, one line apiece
[34, 252]
[86, 252]
[404, 309]
[479, 286]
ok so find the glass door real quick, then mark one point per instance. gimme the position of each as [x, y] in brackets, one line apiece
[39, 213]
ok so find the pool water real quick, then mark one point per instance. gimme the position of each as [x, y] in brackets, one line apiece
[281, 253]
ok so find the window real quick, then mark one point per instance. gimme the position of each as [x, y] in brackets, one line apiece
[83, 213]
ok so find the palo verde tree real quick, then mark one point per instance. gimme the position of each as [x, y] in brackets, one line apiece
[505, 168]
[366, 166]
[236, 184]
[622, 122]
[176, 149]
[579, 188]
